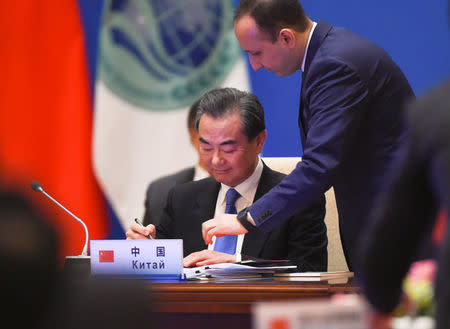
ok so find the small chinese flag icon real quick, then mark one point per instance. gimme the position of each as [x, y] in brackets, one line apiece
[106, 256]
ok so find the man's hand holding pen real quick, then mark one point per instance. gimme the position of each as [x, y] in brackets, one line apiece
[138, 231]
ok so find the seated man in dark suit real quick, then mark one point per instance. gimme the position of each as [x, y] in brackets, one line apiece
[156, 196]
[232, 133]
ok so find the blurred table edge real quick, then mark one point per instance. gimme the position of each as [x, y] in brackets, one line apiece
[236, 298]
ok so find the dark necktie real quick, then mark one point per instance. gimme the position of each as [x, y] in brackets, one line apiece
[227, 243]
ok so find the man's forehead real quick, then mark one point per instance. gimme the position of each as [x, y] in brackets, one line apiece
[247, 26]
[225, 142]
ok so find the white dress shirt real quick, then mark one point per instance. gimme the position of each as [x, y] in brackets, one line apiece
[307, 46]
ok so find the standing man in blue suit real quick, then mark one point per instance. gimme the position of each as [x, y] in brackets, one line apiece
[351, 123]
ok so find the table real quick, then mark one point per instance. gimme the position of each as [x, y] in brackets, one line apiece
[226, 304]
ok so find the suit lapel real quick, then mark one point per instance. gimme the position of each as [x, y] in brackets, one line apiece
[320, 32]
[301, 120]
[205, 204]
[254, 241]
[198, 210]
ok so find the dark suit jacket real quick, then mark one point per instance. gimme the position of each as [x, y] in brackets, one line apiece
[158, 190]
[351, 126]
[421, 186]
[302, 238]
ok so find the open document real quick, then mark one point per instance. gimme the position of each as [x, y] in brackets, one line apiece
[238, 270]
[339, 277]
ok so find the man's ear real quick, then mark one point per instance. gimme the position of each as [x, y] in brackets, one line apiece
[260, 139]
[287, 37]
[193, 136]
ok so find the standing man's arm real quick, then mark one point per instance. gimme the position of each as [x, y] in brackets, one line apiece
[337, 98]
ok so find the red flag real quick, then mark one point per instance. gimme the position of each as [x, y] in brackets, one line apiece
[46, 114]
[106, 256]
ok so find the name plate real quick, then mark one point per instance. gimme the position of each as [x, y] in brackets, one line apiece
[146, 258]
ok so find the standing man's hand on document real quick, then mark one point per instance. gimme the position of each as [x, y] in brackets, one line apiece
[137, 231]
[222, 224]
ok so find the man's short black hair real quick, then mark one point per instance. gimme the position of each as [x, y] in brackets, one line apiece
[223, 101]
[273, 15]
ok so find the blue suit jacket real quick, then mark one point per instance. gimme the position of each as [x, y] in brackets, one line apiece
[352, 128]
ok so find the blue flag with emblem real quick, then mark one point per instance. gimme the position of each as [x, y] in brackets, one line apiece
[155, 59]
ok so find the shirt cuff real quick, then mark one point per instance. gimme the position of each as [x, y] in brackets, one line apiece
[250, 219]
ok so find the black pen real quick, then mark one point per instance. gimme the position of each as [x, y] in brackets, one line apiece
[138, 222]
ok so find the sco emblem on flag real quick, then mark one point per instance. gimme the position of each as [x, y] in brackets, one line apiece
[165, 55]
